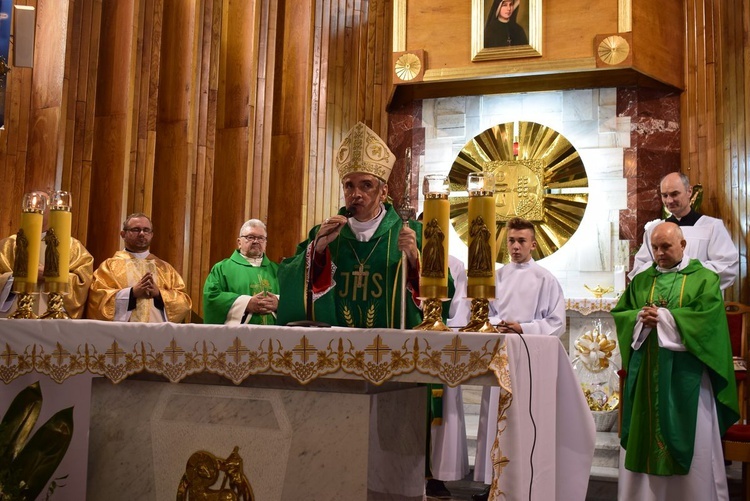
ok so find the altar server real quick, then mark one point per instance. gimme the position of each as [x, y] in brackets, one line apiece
[680, 394]
[707, 239]
[135, 285]
[243, 288]
[529, 301]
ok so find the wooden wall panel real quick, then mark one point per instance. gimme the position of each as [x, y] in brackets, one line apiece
[111, 150]
[236, 177]
[716, 138]
[290, 129]
[173, 151]
[348, 71]
[123, 113]
[209, 35]
[263, 109]
[145, 94]
[568, 33]
[657, 51]
[47, 95]
[13, 143]
[443, 29]
[230, 174]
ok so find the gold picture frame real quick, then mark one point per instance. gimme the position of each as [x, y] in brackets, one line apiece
[519, 36]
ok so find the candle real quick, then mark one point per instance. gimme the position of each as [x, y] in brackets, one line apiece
[482, 251]
[28, 242]
[434, 278]
[57, 254]
[619, 279]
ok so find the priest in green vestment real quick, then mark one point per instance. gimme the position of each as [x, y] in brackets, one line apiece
[243, 289]
[348, 272]
[680, 394]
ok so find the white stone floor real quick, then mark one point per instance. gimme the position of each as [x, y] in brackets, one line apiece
[603, 480]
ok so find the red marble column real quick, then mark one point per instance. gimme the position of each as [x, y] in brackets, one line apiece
[405, 130]
[654, 152]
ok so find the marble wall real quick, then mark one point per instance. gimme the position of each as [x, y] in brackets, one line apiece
[626, 138]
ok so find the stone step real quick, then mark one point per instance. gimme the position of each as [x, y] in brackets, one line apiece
[607, 452]
[604, 473]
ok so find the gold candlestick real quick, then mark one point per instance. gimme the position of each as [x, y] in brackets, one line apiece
[26, 259]
[433, 282]
[57, 254]
[481, 271]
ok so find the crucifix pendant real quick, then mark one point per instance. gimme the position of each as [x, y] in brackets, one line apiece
[360, 275]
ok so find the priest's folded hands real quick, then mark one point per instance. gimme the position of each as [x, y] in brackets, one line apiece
[262, 303]
[146, 287]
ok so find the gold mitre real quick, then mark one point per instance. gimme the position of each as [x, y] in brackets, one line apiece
[363, 151]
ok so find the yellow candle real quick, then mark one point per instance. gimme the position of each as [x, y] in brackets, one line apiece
[59, 223]
[434, 279]
[28, 241]
[482, 251]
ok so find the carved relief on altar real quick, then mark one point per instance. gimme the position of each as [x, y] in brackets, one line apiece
[203, 472]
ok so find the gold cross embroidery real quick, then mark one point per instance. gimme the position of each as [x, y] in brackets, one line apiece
[360, 276]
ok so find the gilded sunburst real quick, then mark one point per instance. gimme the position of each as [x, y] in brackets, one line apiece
[540, 178]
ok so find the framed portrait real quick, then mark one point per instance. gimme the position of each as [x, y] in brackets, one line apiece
[505, 29]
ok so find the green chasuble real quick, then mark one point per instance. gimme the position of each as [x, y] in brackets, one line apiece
[660, 399]
[235, 278]
[366, 290]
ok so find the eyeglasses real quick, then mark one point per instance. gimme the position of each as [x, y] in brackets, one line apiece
[253, 238]
[145, 231]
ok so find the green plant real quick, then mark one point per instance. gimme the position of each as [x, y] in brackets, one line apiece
[27, 464]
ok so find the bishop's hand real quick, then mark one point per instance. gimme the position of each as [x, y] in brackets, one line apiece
[407, 242]
[328, 231]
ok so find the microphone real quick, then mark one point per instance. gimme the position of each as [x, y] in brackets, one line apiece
[347, 213]
[309, 322]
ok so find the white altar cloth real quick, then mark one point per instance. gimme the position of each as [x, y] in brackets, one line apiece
[564, 445]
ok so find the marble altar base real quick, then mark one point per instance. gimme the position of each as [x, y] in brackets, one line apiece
[343, 440]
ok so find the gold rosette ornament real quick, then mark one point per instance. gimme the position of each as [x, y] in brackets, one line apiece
[613, 50]
[407, 66]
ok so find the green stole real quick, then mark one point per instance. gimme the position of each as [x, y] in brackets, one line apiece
[660, 399]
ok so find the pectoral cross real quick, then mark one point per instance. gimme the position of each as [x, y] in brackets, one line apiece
[360, 275]
[659, 303]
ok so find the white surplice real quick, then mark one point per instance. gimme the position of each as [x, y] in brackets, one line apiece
[707, 478]
[460, 311]
[532, 296]
[707, 241]
[449, 448]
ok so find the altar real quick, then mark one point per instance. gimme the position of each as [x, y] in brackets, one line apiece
[315, 413]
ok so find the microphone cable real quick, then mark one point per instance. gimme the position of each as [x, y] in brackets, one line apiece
[531, 414]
